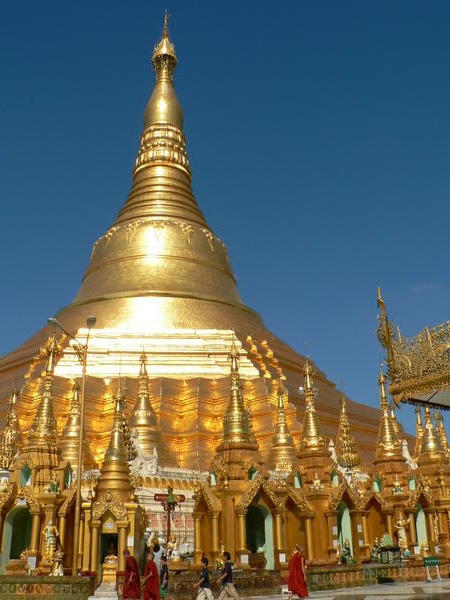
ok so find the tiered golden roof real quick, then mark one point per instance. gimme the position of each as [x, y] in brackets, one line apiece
[283, 455]
[346, 449]
[388, 445]
[311, 439]
[11, 439]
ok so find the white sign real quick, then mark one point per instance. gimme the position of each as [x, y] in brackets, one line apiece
[109, 525]
[334, 530]
[282, 557]
[130, 541]
[360, 543]
[359, 528]
[31, 560]
[244, 559]
[335, 543]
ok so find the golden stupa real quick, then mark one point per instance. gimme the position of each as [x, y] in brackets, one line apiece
[160, 282]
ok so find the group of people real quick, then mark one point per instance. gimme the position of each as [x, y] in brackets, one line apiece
[156, 583]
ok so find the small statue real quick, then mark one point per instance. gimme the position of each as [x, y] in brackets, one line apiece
[339, 554]
[375, 550]
[172, 548]
[400, 525]
[57, 569]
[53, 487]
[397, 487]
[51, 537]
[436, 527]
[347, 557]
[316, 485]
[219, 562]
[424, 552]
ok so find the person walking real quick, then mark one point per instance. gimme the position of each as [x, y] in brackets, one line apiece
[203, 584]
[164, 577]
[132, 586]
[226, 579]
[297, 574]
[151, 579]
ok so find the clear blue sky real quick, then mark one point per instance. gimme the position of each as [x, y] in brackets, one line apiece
[319, 138]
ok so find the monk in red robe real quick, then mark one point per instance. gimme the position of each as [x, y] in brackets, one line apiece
[132, 586]
[151, 579]
[297, 574]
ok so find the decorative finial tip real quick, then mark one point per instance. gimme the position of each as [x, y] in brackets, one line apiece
[166, 23]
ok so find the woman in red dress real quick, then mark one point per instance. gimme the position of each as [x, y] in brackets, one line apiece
[297, 574]
[132, 586]
[151, 579]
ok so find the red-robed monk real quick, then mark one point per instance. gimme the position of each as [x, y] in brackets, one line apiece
[151, 579]
[297, 574]
[132, 586]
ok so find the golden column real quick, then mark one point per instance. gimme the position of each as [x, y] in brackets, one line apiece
[35, 531]
[242, 534]
[95, 527]
[122, 527]
[309, 538]
[215, 533]
[197, 538]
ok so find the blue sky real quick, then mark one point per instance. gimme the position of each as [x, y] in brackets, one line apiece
[319, 139]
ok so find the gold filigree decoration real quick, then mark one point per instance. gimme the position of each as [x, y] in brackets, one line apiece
[110, 503]
[299, 500]
[260, 484]
[213, 504]
[26, 494]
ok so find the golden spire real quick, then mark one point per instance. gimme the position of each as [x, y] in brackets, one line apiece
[419, 433]
[385, 329]
[71, 432]
[237, 430]
[120, 400]
[115, 474]
[282, 455]
[431, 446]
[43, 429]
[395, 424]
[143, 419]
[312, 439]
[11, 439]
[439, 420]
[388, 445]
[346, 450]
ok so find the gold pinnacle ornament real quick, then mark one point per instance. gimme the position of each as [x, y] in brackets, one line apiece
[346, 450]
[282, 455]
[388, 445]
[312, 439]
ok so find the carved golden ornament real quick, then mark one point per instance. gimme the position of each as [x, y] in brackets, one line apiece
[311, 436]
[257, 485]
[6, 494]
[346, 449]
[68, 501]
[11, 439]
[212, 502]
[26, 494]
[299, 500]
[112, 503]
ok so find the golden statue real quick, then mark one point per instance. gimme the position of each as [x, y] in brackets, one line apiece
[53, 487]
[316, 485]
[339, 554]
[110, 565]
[400, 525]
[172, 548]
[51, 540]
[57, 569]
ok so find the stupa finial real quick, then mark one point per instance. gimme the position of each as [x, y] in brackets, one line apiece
[431, 446]
[388, 445]
[237, 430]
[282, 455]
[312, 439]
[346, 449]
[439, 420]
[419, 432]
[143, 419]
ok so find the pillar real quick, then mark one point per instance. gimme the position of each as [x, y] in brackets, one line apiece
[278, 535]
[242, 534]
[197, 538]
[412, 529]
[332, 533]
[85, 561]
[62, 530]
[35, 533]
[430, 529]
[95, 525]
[122, 527]
[309, 539]
[215, 533]
[389, 524]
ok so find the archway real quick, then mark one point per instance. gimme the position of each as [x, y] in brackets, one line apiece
[344, 525]
[376, 525]
[16, 535]
[260, 532]
[421, 526]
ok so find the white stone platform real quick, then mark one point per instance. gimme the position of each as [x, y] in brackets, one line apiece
[105, 591]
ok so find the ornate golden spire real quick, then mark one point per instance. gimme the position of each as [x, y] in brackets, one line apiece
[43, 429]
[431, 447]
[282, 455]
[439, 420]
[71, 432]
[419, 433]
[143, 418]
[346, 450]
[237, 431]
[115, 474]
[395, 424]
[388, 445]
[11, 439]
[312, 439]
[120, 399]
[385, 330]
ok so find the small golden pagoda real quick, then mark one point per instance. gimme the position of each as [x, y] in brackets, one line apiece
[346, 451]
[283, 455]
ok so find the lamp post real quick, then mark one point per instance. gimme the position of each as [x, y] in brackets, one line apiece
[81, 351]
